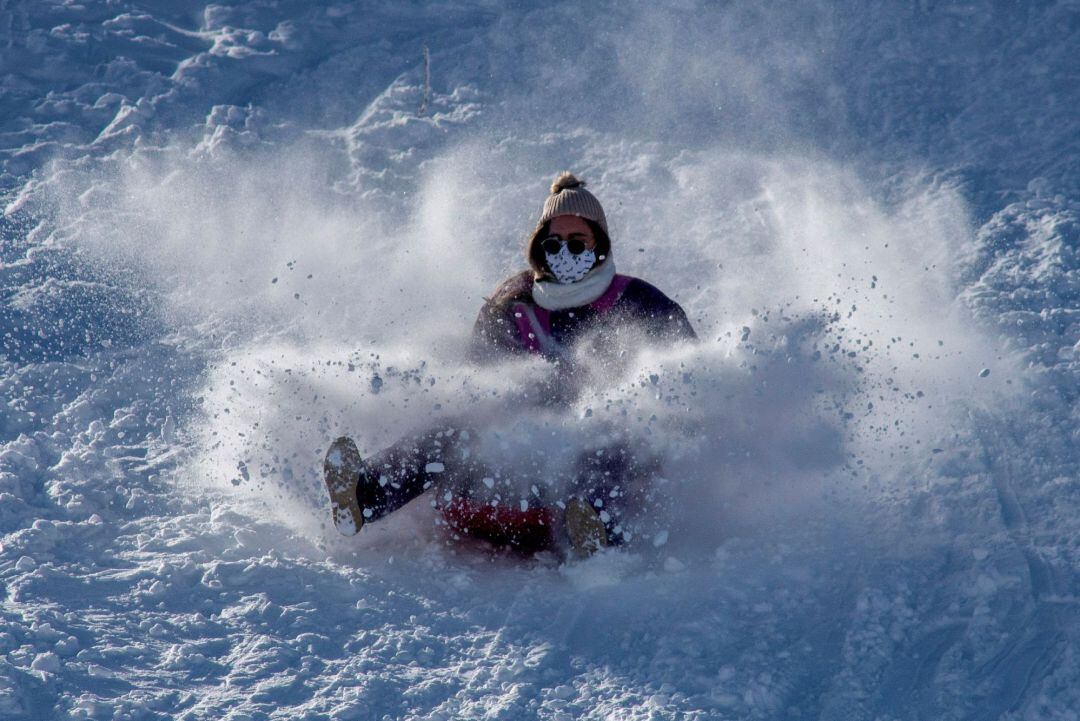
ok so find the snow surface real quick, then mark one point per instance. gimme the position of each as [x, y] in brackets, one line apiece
[232, 233]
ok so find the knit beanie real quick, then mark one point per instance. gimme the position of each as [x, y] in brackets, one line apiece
[569, 197]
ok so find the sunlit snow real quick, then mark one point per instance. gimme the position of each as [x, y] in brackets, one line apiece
[233, 233]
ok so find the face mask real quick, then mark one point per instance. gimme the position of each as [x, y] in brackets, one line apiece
[570, 268]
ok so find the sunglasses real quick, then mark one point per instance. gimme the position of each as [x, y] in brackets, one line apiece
[553, 244]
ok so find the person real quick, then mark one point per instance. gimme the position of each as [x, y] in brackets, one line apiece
[570, 298]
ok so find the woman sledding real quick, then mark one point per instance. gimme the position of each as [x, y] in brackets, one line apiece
[569, 296]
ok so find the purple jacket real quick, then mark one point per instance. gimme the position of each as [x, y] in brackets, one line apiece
[510, 322]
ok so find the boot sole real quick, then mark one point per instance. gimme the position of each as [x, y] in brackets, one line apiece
[341, 472]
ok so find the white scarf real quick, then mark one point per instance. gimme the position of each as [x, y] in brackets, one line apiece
[559, 296]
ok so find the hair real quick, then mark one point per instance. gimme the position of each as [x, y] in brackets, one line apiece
[534, 251]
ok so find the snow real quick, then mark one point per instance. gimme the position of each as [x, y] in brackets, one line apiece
[230, 235]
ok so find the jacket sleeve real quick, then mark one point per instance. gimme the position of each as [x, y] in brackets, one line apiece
[662, 317]
[494, 335]
[677, 325]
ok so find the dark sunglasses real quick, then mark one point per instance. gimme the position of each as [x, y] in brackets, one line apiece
[553, 244]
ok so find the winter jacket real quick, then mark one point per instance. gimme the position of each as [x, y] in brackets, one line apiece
[511, 323]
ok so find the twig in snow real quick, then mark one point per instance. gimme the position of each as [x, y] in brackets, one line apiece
[427, 81]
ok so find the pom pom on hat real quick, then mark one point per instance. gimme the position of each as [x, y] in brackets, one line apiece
[566, 181]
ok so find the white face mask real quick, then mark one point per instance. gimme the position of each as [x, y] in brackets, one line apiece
[570, 268]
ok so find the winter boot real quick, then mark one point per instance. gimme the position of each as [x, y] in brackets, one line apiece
[584, 528]
[344, 473]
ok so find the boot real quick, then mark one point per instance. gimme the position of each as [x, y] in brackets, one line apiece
[354, 496]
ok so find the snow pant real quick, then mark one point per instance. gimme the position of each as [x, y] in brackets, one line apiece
[478, 499]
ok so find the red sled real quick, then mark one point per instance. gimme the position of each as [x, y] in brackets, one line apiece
[529, 530]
